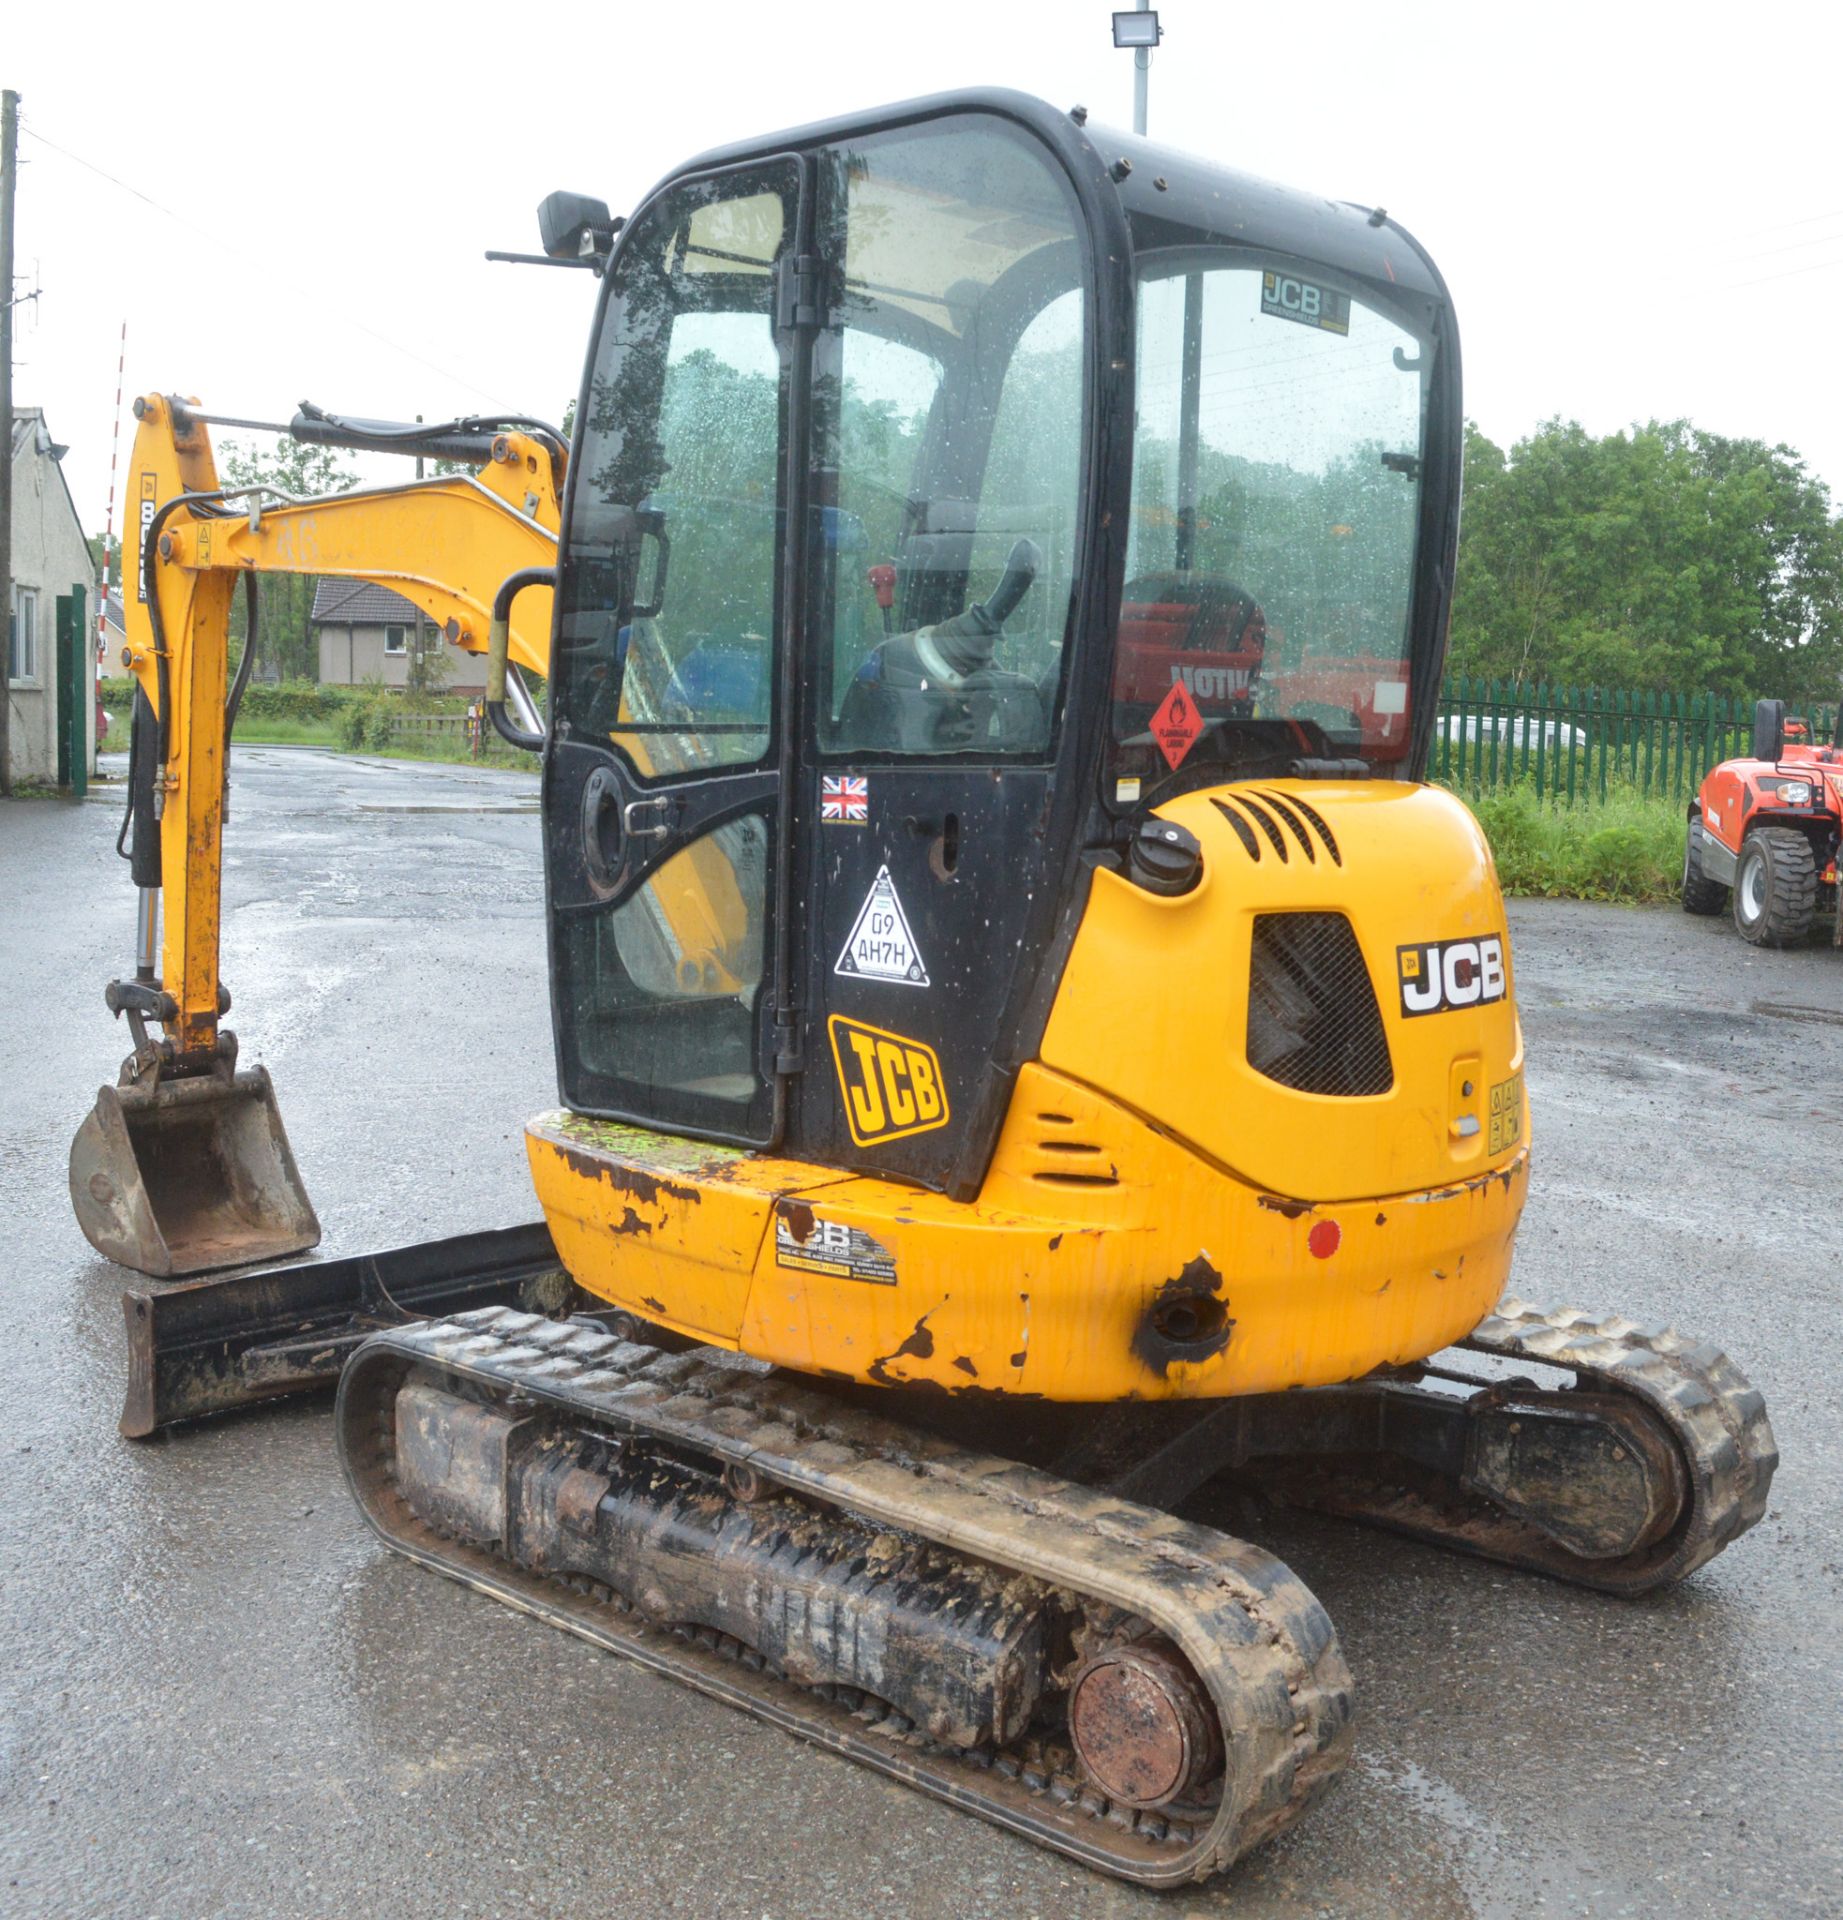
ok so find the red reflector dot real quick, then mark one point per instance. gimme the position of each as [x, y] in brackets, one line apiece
[1325, 1239]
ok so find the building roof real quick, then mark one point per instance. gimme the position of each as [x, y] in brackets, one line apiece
[357, 603]
[29, 423]
[30, 434]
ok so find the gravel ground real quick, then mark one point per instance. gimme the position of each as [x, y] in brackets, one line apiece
[222, 1696]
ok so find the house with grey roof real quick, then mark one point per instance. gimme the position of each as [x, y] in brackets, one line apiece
[50, 690]
[366, 633]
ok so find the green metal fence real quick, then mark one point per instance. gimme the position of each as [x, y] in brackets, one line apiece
[1571, 743]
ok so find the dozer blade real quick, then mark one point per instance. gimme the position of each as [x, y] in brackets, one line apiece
[189, 1175]
[209, 1345]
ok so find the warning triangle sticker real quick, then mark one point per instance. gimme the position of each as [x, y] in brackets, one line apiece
[881, 946]
[1176, 724]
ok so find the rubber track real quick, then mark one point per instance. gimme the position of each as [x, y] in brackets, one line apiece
[1257, 1638]
[1704, 1402]
[1711, 1410]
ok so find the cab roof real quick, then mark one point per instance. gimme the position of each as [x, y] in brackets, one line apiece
[1160, 188]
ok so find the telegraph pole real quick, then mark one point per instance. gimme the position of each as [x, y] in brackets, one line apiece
[9, 169]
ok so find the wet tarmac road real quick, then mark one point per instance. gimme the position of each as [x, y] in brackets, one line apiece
[219, 1694]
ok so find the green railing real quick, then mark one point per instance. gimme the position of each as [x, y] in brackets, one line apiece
[1571, 743]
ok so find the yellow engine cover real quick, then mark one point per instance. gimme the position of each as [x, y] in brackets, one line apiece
[1160, 1219]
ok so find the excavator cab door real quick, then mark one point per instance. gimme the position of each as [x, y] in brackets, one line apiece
[664, 782]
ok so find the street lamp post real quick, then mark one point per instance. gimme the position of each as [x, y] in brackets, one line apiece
[1140, 31]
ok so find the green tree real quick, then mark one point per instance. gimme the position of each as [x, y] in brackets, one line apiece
[286, 642]
[1661, 558]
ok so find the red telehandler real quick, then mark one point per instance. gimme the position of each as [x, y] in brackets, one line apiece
[1767, 828]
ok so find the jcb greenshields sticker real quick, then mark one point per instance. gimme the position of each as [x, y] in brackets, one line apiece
[1284, 298]
[1438, 975]
[891, 1086]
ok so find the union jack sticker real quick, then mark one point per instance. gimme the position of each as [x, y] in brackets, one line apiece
[844, 799]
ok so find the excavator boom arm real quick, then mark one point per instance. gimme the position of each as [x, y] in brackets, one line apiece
[444, 543]
[184, 1165]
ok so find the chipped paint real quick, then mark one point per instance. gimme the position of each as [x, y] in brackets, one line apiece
[918, 1346]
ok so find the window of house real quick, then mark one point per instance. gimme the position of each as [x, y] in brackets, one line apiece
[22, 636]
[394, 639]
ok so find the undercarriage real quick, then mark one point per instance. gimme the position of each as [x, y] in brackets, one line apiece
[1031, 1635]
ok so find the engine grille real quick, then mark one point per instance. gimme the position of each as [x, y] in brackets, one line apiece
[1313, 1022]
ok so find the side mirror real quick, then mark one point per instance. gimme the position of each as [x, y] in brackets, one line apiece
[1768, 729]
[574, 226]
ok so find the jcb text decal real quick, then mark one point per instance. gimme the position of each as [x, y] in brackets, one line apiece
[890, 1086]
[811, 1245]
[1438, 975]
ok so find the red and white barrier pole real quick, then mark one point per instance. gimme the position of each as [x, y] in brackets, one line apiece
[108, 525]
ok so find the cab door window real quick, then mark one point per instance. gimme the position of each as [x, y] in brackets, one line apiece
[948, 397]
[667, 645]
[667, 642]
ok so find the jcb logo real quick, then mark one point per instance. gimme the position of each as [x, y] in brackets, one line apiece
[1438, 975]
[890, 1086]
[1294, 295]
[1290, 299]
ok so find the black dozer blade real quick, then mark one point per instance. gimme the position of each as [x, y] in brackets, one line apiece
[209, 1345]
[189, 1175]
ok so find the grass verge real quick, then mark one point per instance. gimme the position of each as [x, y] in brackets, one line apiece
[1627, 848]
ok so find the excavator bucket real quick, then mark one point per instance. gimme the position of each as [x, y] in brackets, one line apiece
[188, 1175]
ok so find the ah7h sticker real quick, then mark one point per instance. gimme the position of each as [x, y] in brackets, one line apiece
[1438, 975]
[880, 946]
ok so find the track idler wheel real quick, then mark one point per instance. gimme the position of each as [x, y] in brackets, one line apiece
[1142, 1725]
[1598, 1474]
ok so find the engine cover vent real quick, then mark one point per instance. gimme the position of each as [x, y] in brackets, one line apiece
[1313, 1021]
[1284, 818]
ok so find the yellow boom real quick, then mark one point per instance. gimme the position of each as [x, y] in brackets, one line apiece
[443, 543]
[184, 1165]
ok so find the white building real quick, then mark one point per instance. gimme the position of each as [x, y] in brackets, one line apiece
[50, 559]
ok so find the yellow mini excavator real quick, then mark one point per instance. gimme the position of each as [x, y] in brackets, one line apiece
[1028, 1040]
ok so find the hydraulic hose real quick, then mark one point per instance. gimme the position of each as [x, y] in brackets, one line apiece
[234, 699]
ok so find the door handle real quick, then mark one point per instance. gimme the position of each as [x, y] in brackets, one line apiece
[665, 805]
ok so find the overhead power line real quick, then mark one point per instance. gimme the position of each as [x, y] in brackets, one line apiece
[266, 266]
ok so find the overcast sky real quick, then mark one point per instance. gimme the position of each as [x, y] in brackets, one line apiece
[1638, 207]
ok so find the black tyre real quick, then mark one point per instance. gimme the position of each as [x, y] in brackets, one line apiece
[1775, 887]
[1700, 893]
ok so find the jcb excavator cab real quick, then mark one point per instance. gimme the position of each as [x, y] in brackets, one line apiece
[1021, 365]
